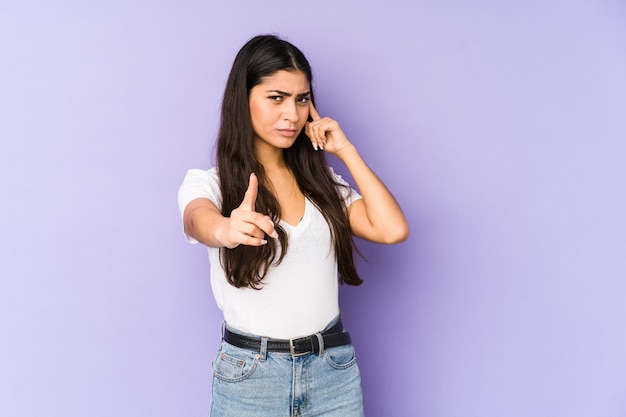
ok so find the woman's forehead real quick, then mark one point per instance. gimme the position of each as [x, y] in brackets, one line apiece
[287, 80]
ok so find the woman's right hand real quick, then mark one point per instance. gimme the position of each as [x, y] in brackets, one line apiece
[245, 226]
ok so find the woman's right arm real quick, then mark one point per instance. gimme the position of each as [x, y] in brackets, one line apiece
[204, 222]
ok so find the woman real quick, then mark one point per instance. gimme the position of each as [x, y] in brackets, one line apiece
[278, 224]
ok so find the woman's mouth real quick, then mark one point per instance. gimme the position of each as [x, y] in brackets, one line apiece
[288, 132]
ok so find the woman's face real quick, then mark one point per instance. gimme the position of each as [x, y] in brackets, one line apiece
[279, 108]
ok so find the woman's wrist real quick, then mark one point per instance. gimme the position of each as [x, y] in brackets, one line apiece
[347, 152]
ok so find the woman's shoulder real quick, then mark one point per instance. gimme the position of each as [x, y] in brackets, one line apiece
[200, 183]
[347, 192]
[336, 176]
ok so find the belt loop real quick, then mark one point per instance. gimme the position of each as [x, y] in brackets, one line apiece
[263, 348]
[320, 340]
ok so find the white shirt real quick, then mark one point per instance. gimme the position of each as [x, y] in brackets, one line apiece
[298, 297]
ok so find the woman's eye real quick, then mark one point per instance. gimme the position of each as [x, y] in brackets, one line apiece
[304, 100]
[276, 98]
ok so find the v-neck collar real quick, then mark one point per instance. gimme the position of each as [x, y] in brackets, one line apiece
[302, 224]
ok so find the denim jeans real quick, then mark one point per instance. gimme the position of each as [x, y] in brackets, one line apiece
[249, 383]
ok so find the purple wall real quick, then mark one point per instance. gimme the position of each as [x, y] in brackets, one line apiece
[500, 129]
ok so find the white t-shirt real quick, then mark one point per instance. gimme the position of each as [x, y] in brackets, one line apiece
[298, 297]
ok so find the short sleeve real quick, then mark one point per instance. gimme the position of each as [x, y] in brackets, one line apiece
[199, 183]
[349, 194]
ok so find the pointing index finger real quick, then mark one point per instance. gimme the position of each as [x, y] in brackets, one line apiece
[313, 111]
[249, 199]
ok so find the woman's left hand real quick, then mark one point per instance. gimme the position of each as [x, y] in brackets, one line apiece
[325, 133]
[377, 216]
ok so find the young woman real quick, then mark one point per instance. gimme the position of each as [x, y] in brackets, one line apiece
[278, 224]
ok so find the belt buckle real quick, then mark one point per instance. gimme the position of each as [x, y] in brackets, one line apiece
[292, 347]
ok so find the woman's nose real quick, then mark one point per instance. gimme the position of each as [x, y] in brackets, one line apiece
[290, 112]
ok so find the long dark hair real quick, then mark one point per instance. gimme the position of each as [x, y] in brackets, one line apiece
[245, 266]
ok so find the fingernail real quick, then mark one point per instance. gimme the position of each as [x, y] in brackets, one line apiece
[315, 146]
[274, 234]
[264, 242]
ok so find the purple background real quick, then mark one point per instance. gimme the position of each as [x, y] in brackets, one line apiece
[499, 126]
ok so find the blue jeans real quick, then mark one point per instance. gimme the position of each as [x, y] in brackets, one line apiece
[249, 383]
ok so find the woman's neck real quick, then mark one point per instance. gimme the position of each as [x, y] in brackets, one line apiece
[270, 157]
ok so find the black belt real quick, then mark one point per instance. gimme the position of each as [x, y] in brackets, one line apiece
[335, 336]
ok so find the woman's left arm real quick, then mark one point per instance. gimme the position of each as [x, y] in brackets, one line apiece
[377, 217]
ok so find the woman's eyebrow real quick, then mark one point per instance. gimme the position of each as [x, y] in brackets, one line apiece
[280, 93]
[283, 93]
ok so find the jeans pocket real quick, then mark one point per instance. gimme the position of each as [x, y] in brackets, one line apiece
[340, 357]
[234, 364]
